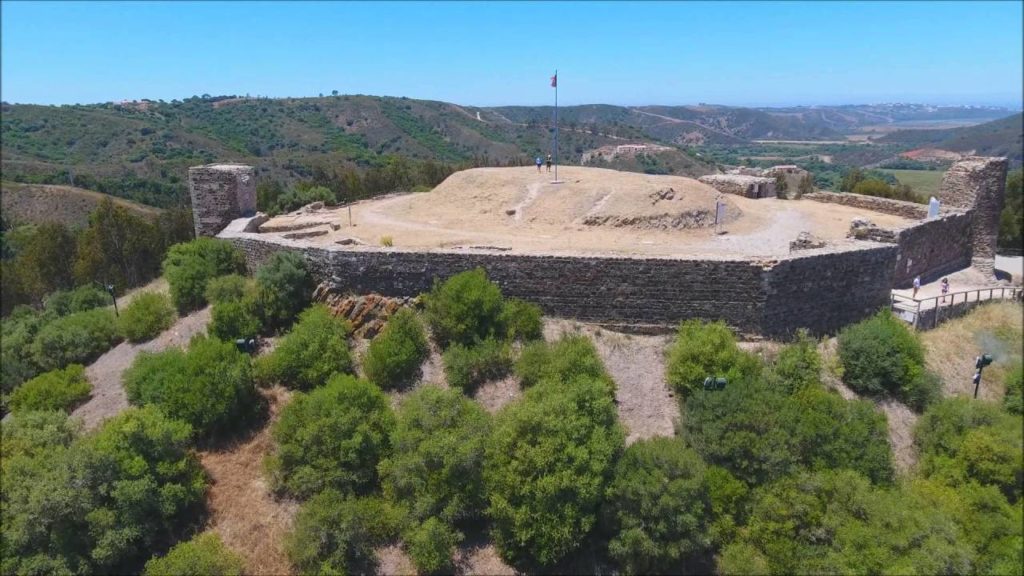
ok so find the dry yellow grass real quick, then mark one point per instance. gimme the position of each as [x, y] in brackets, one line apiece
[996, 329]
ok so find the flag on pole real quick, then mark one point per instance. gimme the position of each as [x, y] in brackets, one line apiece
[554, 80]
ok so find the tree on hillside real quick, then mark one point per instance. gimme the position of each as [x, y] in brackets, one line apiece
[1011, 220]
[118, 248]
[43, 257]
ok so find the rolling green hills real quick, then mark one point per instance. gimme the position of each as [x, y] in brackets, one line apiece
[71, 206]
[1003, 137]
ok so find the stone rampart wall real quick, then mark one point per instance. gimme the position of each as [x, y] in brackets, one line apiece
[933, 248]
[822, 292]
[220, 193]
[873, 203]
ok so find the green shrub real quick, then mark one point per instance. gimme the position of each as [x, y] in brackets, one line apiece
[432, 545]
[204, 555]
[659, 507]
[545, 469]
[468, 367]
[148, 314]
[17, 335]
[332, 437]
[283, 289]
[798, 365]
[77, 338]
[881, 354]
[30, 433]
[234, 319]
[521, 320]
[54, 390]
[1014, 399]
[702, 350]
[395, 355]
[228, 288]
[568, 358]
[464, 309]
[189, 266]
[436, 467]
[210, 386]
[337, 535]
[306, 357]
[87, 297]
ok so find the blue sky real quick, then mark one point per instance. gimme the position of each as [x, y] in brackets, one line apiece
[758, 53]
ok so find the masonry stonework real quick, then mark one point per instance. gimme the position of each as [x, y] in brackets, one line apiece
[978, 184]
[220, 193]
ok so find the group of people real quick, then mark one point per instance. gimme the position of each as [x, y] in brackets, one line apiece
[540, 162]
[944, 284]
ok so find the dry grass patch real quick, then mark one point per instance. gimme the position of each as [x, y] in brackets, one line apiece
[950, 349]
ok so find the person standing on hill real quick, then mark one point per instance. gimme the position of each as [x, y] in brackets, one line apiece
[917, 285]
[945, 289]
[549, 162]
[539, 162]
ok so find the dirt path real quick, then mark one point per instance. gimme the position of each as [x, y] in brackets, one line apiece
[108, 397]
[531, 194]
[243, 511]
[647, 407]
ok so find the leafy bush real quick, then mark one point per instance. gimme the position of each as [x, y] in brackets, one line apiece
[545, 468]
[234, 319]
[227, 288]
[395, 355]
[87, 297]
[204, 555]
[337, 535]
[658, 506]
[464, 309]
[148, 314]
[103, 503]
[189, 266]
[521, 320]
[77, 338]
[332, 437]
[315, 349]
[568, 358]
[798, 366]
[431, 546]
[210, 386]
[54, 390]
[33, 432]
[468, 367]
[881, 354]
[1014, 399]
[283, 289]
[436, 467]
[701, 350]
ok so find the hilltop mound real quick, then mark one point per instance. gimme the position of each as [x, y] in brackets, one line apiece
[38, 203]
[587, 196]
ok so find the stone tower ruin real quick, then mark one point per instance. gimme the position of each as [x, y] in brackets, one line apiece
[978, 184]
[220, 193]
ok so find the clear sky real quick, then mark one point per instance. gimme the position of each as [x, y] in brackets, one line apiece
[759, 53]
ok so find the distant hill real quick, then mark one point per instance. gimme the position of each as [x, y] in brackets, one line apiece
[38, 203]
[855, 118]
[1004, 137]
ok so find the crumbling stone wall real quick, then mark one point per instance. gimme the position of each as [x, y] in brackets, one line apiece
[220, 193]
[902, 208]
[933, 248]
[978, 184]
[741, 185]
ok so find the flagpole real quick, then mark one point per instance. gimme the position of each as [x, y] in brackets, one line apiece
[556, 125]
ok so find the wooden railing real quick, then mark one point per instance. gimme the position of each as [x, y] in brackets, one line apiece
[927, 313]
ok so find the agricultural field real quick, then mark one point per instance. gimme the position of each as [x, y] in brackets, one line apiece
[924, 182]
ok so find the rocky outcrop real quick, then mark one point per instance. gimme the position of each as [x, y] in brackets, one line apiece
[366, 313]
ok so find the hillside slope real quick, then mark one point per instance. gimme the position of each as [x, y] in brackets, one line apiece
[38, 203]
[1003, 137]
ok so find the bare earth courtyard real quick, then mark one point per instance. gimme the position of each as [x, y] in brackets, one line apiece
[592, 211]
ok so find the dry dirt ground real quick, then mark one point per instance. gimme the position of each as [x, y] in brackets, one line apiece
[108, 397]
[520, 211]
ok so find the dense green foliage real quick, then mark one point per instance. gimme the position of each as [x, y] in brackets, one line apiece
[1011, 219]
[204, 555]
[17, 334]
[53, 390]
[64, 302]
[521, 320]
[148, 314]
[283, 289]
[228, 288]
[101, 503]
[464, 309]
[188, 267]
[546, 467]
[314, 350]
[659, 507]
[234, 319]
[335, 534]
[210, 386]
[395, 355]
[77, 338]
[466, 367]
[701, 350]
[798, 366]
[432, 545]
[568, 358]
[1014, 399]
[332, 437]
[881, 354]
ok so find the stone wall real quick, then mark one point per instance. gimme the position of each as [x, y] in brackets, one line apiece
[884, 205]
[978, 184]
[822, 291]
[220, 193]
[741, 185]
[933, 248]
